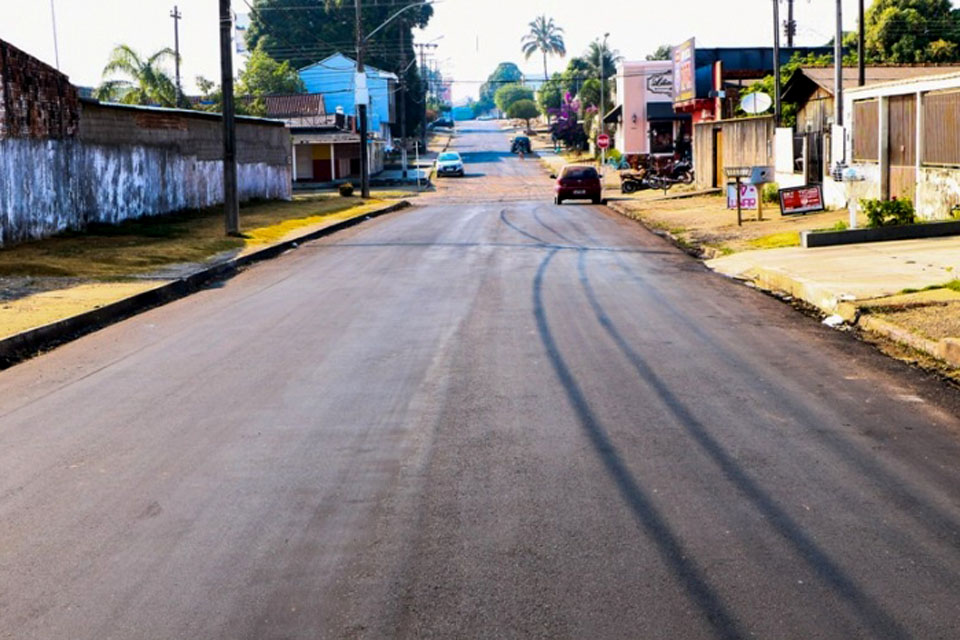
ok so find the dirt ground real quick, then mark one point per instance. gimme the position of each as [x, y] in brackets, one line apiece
[706, 221]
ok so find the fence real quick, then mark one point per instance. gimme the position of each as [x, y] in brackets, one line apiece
[731, 143]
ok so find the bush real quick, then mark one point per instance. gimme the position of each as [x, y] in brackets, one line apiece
[888, 213]
[614, 155]
[346, 190]
[770, 193]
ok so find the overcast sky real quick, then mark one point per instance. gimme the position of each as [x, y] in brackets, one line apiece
[476, 35]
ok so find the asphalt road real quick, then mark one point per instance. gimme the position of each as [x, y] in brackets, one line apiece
[488, 417]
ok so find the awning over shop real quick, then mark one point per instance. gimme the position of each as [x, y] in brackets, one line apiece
[664, 111]
[613, 117]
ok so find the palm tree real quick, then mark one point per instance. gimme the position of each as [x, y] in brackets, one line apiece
[602, 59]
[546, 37]
[145, 81]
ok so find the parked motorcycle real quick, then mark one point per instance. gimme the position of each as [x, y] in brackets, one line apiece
[633, 181]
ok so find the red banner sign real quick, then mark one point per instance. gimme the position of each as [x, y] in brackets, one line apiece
[801, 199]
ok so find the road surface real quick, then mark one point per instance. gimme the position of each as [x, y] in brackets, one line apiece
[483, 417]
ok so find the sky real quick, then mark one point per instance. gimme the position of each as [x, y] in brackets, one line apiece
[474, 36]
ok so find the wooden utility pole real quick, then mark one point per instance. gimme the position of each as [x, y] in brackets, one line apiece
[861, 52]
[231, 206]
[838, 67]
[777, 107]
[176, 15]
[361, 95]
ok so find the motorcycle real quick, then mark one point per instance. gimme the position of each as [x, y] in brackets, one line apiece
[632, 181]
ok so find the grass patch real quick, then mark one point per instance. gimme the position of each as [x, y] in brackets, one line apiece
[140, 246]
[953, 285]
[776, 240]
[839, 225]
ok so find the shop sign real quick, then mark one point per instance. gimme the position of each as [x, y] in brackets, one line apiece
[661, 83]
[801, 199]
[749, 196]
[684, 71]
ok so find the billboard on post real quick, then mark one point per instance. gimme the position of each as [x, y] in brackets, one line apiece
[684, 71]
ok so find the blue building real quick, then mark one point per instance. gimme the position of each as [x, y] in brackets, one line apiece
[333, 77]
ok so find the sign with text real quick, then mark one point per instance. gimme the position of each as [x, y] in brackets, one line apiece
[661, 83]
[801, 199]
[749, 196]
[685, 71]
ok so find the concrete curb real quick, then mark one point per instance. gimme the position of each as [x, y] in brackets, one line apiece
[26, 344]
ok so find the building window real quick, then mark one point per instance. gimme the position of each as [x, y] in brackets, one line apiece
[941, 128]
[661, 137]
[866, 125]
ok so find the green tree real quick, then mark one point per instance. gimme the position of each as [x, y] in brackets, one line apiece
[304, 32]
[911, 31]
[788, 110]
[663, 52]
[550, 95]
[130, 79]
[263, 76]
[602, 59]
[546, 37]
[523, 110]
[508, 94]
[578, 70]
[589, 94]
[505, 73]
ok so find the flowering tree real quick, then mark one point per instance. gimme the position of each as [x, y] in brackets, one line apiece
[566, 127]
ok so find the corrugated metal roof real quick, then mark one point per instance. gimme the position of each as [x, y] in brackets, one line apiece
[295, 106]
[875, 74]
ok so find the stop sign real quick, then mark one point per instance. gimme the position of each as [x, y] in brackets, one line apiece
[603, 141]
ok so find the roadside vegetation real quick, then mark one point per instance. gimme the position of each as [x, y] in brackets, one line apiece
[145, 245]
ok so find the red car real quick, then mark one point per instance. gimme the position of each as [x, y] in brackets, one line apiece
[578, 182]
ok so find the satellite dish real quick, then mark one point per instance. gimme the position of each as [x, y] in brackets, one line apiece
[756, 103]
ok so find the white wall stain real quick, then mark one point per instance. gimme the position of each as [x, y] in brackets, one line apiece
[48, 186]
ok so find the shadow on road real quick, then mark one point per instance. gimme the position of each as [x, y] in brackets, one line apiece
[870, 613]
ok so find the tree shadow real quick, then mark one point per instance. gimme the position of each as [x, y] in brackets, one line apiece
[871, 614]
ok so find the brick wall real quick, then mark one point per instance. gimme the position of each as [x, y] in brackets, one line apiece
[36, 100]
[65, 163]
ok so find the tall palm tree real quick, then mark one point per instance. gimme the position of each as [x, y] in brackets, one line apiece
[141, 81]
[602, 59]
[546, 37]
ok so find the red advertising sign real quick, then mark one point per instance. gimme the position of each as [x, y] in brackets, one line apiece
[603, 141]
[801, 199]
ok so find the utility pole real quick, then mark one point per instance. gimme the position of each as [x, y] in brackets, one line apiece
[176, 15]
[424, 81]
[362, 99]
[777, 106]
[838, 67]
[861, 53]
[603, 81]
[231, 208]
[791, 25]
[403, 101]
[56, 46]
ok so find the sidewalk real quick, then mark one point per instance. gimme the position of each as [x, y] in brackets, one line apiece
[906, 291]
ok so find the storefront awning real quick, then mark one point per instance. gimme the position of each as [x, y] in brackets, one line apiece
[613, 116]
[664, 111]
